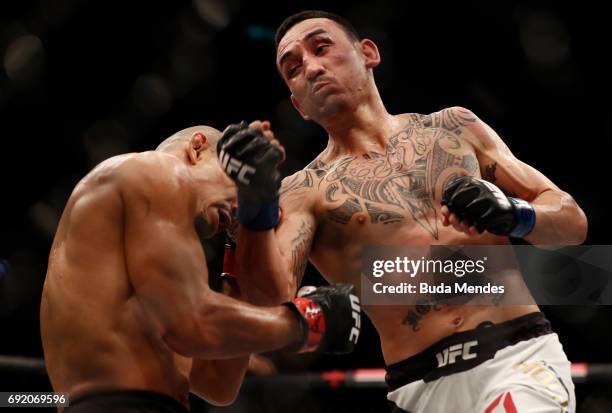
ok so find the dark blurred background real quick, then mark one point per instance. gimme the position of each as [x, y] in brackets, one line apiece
[81, 81]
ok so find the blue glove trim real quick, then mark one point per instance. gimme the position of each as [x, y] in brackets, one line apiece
[525, 218]
[257, 216]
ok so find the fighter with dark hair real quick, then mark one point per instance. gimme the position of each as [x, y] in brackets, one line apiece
[445, 178]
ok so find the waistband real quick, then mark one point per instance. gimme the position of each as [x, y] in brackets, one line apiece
[141, 398]
[465, 350]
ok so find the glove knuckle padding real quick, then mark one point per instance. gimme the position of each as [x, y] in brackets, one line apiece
[228, 133]
[450, 188]
[252, 150]
[462, 198]
[476, 209]
[335, 301]
[272, 155]
[240, 141]
[242, 145]
[481, 204]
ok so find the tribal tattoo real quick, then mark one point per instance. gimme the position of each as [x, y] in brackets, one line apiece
[401, 182]
[489, 175]
[489, 172]
[300, 248]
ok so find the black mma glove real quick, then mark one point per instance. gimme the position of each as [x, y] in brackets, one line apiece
[331, 319]
[251, 160]
[486, 207]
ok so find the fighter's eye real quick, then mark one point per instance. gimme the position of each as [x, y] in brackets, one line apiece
[292, 70]
[320, 49]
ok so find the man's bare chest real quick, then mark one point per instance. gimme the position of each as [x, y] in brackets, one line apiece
[402, 185]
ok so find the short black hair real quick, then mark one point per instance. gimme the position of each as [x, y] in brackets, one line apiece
[294, 19]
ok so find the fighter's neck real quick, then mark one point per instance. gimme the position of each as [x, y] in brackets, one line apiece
[361, 130]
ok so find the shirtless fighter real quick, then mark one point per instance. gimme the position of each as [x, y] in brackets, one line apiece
[128, 322]
[406, 179]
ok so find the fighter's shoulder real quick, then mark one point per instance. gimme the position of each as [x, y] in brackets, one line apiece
[470, 127]
[451, 119]
[308, 177]
[147, 169]
[154, 178]
[462, 122]
[302, 181]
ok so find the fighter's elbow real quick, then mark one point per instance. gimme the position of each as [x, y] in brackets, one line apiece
[218, 396]
[578, 223]
[224, 396]
[581, 227]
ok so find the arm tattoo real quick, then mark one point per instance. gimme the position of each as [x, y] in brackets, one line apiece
[302, 179]
[319, 167]
[489, 175]
[451, 119]
[489, 172]
[300, 250]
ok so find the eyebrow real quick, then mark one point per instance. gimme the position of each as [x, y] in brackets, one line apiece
[306, 38]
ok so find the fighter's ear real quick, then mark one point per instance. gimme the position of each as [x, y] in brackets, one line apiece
[297, 107]
[370, 53]
[197, 144]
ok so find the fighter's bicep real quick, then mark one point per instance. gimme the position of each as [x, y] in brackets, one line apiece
[517, 178]
[162, 266]
[501, 167]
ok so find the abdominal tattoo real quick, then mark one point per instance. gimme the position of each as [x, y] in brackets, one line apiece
[415, 315]
[400, 183]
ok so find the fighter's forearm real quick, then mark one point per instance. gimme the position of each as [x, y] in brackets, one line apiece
[264, 268]
[224, 328]
[559, 220]
[218, 381]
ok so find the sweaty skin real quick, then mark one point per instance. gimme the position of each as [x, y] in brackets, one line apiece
[379, 181]
[126, 303]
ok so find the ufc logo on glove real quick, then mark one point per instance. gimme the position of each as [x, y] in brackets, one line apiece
[356, 316]
[235, 168]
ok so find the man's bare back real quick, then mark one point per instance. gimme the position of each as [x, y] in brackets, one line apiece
[127, 317]
[91, 320]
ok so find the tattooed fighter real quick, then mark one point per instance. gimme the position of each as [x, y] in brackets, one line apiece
[445, 178]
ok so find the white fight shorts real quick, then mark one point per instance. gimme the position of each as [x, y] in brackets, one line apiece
[513, 367]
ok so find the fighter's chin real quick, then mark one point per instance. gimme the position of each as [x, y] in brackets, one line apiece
[328, 109]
